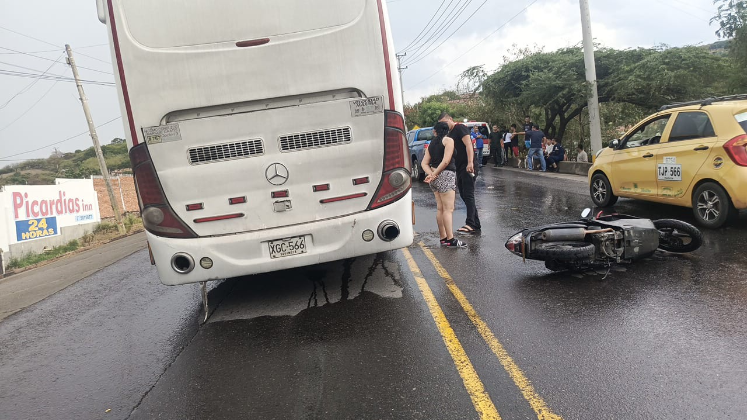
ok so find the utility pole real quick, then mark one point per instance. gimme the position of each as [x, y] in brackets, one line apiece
[95, 138]
[401, 84]
[595, 125]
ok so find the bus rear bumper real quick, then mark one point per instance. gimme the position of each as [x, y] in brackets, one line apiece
[248, 253]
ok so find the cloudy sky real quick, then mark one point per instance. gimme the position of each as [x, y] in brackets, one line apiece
[44, 114]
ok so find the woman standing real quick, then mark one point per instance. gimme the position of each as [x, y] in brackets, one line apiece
[438, 164]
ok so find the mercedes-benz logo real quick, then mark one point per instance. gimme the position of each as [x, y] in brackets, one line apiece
[276, 174]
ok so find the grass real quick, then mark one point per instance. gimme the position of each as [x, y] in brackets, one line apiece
[34, 258]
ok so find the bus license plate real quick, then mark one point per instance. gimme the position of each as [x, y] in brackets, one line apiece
[287, 247]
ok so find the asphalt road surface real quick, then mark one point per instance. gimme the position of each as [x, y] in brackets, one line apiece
[421, 333]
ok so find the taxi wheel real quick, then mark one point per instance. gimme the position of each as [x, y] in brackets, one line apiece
[601, 191]
[711, 206]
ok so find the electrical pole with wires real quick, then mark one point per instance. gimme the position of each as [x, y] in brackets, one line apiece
[401, 83]
[95, 138]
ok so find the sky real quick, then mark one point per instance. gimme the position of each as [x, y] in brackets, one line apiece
[38, 115]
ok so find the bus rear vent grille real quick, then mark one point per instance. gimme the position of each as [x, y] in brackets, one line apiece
[313, 139]
[226, 151]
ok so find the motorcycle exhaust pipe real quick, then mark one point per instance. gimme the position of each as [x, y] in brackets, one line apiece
[567, 234]
[570, 234]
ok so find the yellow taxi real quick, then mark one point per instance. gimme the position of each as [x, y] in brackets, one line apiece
[691, 154]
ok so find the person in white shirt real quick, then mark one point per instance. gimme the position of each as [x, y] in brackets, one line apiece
[581, 157]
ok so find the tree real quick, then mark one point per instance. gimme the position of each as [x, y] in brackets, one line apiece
[731, 18]
[470, 81]
[553, 84]
[117, 140]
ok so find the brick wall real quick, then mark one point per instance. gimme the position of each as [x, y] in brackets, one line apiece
[124, 192]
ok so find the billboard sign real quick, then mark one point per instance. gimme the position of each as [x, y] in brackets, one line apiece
[40, 211]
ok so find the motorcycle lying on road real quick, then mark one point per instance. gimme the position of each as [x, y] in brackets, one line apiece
[601, 241]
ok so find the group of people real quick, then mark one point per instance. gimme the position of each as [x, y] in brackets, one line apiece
[548, 151]
[451, 161]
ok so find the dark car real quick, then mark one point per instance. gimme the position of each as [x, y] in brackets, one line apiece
[418, 140]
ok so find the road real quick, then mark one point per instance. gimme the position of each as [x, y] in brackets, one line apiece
[421, 333]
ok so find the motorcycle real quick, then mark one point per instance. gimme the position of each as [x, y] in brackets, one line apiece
[603, 240]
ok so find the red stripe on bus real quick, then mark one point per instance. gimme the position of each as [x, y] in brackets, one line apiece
[253, 42]
[342, 198]
[387, 65]
[223, 217]
[122, 81]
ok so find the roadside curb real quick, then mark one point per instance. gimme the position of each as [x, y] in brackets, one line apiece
[66, 255]
[556, 175]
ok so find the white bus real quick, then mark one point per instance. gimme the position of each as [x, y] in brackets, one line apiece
[263, 134]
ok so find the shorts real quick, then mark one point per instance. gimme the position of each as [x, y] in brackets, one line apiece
[445, 182]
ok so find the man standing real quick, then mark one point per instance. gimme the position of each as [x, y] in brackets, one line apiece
[478, 140]
[495, 145]
[514, 141]
[465, 170]
[582, 157]
[535, 137]
[527, 126]
[507, 139]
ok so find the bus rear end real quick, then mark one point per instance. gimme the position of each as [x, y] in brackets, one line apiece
[263, 135]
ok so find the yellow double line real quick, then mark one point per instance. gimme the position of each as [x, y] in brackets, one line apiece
[475, 388]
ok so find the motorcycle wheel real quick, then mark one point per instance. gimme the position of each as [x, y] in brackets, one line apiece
[565, 251]
[678, 236]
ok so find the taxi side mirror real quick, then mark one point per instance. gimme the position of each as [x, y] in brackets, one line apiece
[614, 144]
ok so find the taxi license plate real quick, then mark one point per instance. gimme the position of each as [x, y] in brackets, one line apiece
[670, 172]
[287, 247]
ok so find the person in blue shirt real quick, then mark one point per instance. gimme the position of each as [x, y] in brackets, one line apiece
[535, 138]
[478, 140]
[556, 155]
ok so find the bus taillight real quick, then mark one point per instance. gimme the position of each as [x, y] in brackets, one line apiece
[158, 217]
[395, 181]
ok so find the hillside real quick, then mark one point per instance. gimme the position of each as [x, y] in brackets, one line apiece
[78, 164]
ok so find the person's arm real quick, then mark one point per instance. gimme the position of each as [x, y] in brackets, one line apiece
[426, 163]
[470, 152]
[448, 153]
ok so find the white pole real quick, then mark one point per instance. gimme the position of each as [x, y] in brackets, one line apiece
[595, 126]
[95, 138]
[401, 83]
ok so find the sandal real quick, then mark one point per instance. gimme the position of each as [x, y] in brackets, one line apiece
[466, 229]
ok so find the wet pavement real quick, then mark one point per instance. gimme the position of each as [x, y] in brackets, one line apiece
[664, 338]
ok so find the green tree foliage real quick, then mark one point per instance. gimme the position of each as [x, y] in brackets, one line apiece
[731, 19]
[81, 164]
[552, 85]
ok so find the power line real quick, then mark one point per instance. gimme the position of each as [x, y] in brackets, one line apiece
[31, 107]
[434, 26]
[29, 52]
[424, 27]
[684, 11]
[58, 142]
[30, 85]
[54, 45]
[414, 60]
[420, 50]
[49, 59]
[52, 77]
[480, 42]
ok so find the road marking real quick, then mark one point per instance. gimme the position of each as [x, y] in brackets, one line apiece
[475, 388]
[521, 381]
